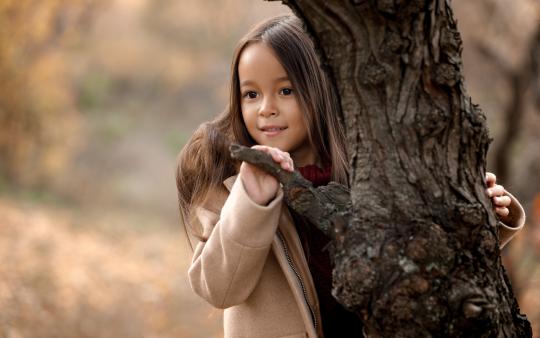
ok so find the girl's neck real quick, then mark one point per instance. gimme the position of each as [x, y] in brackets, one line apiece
[302, 159]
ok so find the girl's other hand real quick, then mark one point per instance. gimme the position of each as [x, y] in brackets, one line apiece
[260, 186]
[500, 201]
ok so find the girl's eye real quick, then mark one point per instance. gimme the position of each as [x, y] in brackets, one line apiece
[286, 91]
[250, 94]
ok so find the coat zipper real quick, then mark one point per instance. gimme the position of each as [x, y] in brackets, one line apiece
[289, 260]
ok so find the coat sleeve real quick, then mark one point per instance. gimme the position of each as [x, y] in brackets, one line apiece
[234, 245]
[516, 221]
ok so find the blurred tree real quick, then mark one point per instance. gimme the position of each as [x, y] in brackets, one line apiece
[523, 81]
[39, 123]
[499, 40]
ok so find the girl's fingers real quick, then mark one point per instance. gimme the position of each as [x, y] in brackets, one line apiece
[496, 190]
[277, 156]
[271, 151]
[281, 157]
[502, 201]
[285, 160]
[290, 162]
[502, 211]
[490, 179]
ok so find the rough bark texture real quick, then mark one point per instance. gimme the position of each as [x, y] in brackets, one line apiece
[420, 255]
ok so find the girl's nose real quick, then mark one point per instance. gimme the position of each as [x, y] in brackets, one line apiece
[268, 108]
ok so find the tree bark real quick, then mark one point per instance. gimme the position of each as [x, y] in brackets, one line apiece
[420, 255]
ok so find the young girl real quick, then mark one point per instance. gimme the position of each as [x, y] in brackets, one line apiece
[255, 258]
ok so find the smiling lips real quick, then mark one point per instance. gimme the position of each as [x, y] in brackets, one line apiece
[272, 130]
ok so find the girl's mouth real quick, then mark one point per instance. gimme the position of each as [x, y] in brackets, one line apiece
[272, 130]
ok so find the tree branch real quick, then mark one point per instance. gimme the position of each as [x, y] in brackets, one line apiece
[327, 207]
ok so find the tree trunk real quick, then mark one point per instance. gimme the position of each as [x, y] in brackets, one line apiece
[420, 256]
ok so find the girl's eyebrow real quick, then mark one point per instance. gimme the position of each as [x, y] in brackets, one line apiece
[279, 79]
[245, 83]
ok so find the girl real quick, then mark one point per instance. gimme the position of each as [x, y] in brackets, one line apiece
[255, 258]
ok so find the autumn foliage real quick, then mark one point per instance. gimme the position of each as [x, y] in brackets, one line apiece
[39, 121]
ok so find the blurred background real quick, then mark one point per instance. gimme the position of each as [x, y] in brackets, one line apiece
[97, 97]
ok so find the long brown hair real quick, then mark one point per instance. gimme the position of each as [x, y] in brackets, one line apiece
[204, 162]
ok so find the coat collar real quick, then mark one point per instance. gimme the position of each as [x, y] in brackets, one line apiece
[228, 183]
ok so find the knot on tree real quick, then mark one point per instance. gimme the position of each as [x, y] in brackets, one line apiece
[474, 123]
[405, 264]
[439, 259]
[446, 74]
[354, 280]
[487, 242]
[375, 72]
[471, 214]
[475, 306]
[386, 6]
[393, 42]
[431, 121]
[412, 6]
[450, 41]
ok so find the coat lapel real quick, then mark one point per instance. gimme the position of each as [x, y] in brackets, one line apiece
[306, 286]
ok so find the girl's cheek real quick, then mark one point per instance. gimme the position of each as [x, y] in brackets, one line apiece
[290, 105]
[250, 108]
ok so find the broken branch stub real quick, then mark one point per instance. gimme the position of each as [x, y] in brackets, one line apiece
[327, 207]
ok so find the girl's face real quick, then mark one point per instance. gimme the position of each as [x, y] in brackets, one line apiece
[269, 104]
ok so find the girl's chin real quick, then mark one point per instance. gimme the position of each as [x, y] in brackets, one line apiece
[274, 145]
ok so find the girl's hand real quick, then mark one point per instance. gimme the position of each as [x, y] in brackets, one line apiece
[260, 186]
[500, 201]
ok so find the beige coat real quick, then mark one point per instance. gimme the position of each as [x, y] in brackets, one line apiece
[250, 262]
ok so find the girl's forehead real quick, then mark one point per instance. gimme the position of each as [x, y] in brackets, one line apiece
[259, 61]
[256, 53]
